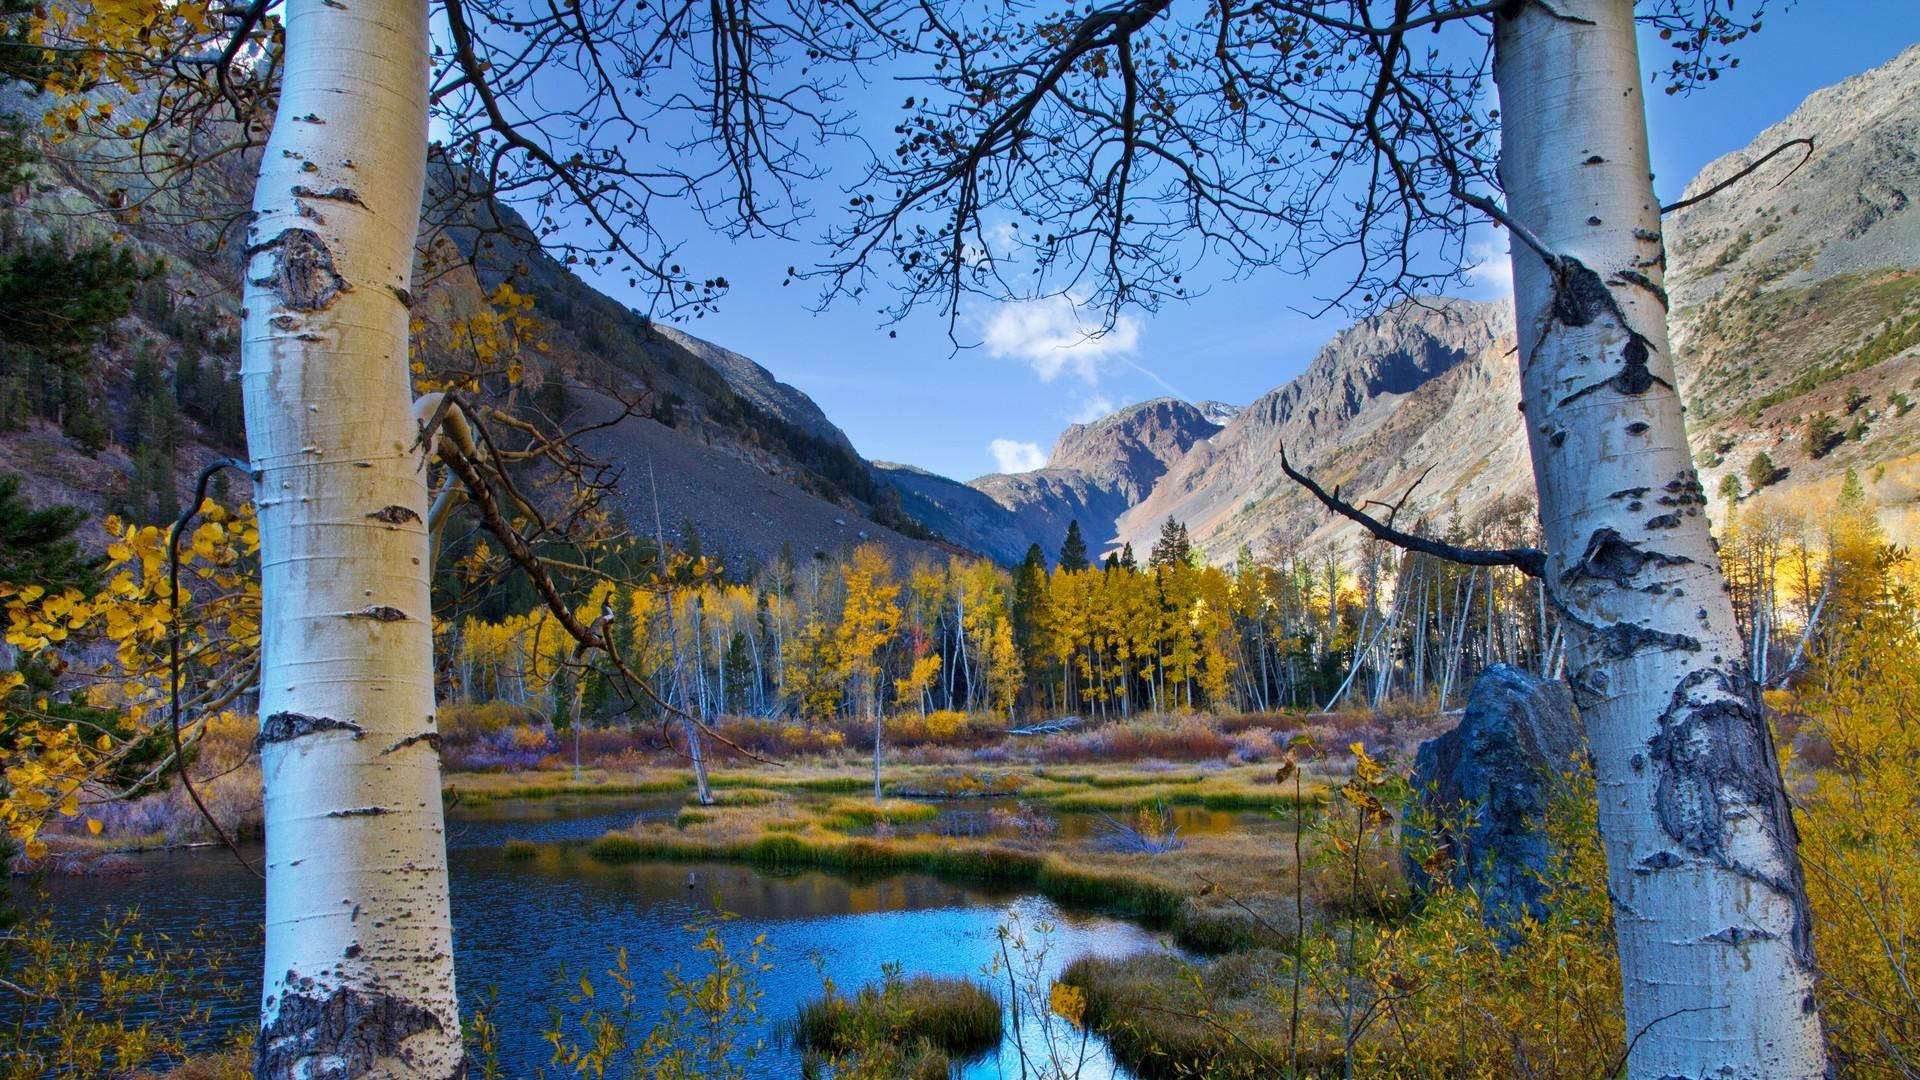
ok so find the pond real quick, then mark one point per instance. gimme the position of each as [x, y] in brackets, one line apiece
[516, 923]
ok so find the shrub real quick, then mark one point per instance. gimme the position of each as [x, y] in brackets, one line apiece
[1858, 837]
[107, 1003]
[939, 727]
[520, 850]
[1174, 738]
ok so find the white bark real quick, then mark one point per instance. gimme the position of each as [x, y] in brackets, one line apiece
[1709, 903]
[359, 964]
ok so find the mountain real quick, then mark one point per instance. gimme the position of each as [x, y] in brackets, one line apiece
[1795, 293]
[964, 515]
[718, 445]
[1095, 473]
[1799, 295]
[1375, 407]
[1130, 450]
[1218, 412]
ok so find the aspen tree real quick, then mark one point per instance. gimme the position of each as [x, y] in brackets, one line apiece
[867, 623]
[1710, 908]
[1331, 136]
[359, 951]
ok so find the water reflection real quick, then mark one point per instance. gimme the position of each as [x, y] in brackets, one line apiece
[517, 922]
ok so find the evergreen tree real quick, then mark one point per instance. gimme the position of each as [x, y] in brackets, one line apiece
[551, 399]
[1822, 433]
[37, 545]
[739, 681]
[1127, 561]
[1760, 471]
[56, 303]
[1029, 593]
[1112, 563]
[1174, 548]
[152, 495]
[1730, 489]
[1073, 550]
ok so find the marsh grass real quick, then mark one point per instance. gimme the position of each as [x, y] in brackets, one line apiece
[955, 1015]
[1163, 1016]
[519, 850]
[853, 813]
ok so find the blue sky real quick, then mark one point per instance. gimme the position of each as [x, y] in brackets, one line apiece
[912, 398]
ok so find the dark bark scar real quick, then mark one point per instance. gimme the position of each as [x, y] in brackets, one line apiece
[302, 274]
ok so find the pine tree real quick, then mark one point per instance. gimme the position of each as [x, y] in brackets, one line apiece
[1073, 550]
[1029, 597]
[37, 545]
[1822, 433]
[1127, 561]
[1760, 471]
[1174, 548]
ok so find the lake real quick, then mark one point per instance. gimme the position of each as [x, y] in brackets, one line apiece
[516, 923]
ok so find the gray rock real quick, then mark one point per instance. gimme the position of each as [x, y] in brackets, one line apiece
[1489, 783]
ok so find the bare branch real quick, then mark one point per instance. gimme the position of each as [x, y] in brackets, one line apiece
[1529, 561]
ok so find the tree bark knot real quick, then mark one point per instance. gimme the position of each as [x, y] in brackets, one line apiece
[379, 612]
[1613, 558]
[338, 194]
[1581, 298]
[1717, 764]
[431, 738]
[394, 515]
[341, 1036]
[303, 274]
[284, 726]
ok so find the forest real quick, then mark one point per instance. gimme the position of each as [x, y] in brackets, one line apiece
[424, 658]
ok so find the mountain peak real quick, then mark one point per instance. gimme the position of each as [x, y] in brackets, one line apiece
[1133, 447]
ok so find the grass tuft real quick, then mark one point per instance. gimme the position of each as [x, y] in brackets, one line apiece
[954, 1015]
[849, 813]
[617, 847]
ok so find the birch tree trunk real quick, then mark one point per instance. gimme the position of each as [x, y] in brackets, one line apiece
[359, 959]
[1708, 899]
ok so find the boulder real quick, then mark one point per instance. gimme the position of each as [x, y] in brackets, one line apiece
[1488, 784]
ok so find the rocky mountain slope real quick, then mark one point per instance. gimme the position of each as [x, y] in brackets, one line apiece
[1095, 473]
[1378, 405]
[749, 462]
[1796, 294]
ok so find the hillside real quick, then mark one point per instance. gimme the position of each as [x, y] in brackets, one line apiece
[1095, 473]
[1377, 405]
[751, 462]
[1796, 293]
[1800, 296]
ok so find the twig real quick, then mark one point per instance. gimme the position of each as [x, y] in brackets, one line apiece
[1746, 172]
[173, 648]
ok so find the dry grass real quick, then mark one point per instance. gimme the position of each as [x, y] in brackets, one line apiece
[1218, 891]
[957, 1016]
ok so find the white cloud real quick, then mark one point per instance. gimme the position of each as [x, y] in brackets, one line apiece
[1002, 239]
[1492, 274]
[1053, 339]
[1094, 408]
[1014, 456]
